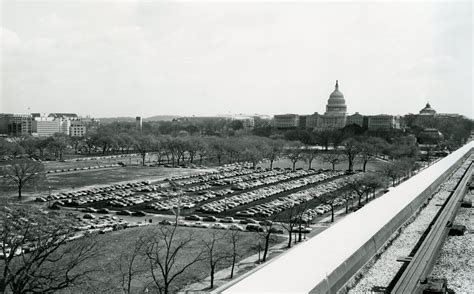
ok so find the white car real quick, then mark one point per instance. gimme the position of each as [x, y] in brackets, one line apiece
[200, 225]
[235, 227]
[219, 226]
[184, 224]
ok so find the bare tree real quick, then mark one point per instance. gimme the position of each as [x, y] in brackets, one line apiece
[143, 145]
[37, 254]
[130, 264]
[22, 172]
[369, 148]
[392, 170]
[292, 218]
[266, 235]
[294, 152]
[332, 157]
[357, 185]
[254, 150]
[351, 150]
[274, 150]
[202, 150]
[165, 247]
[216, 145]
[215, 253]
[329, 199]
[372, 182]
[58, 143]
[309, 155]
[347, 196]
[323, 138]
[234, 237]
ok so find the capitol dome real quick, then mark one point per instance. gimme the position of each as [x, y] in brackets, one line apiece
[428, 110]
[336, 103]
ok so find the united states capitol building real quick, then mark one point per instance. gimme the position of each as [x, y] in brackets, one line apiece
[336, 117]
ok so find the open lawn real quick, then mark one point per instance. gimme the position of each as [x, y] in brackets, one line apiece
[80, 179]
[115, 244]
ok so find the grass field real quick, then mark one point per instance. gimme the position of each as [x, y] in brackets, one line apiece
[116, 243]
[79, 179]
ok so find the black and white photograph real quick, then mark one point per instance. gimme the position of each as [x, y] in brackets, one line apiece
[226, 146]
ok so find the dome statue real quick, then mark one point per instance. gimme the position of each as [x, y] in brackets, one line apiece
[336, 102]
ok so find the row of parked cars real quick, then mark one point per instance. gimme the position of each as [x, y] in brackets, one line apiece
[309, 214]
[96, 191]
[285, 202]
[188, 200]
[220, 170]
[81, 168]
[226, 223]
[105, 157]
[212, 177]
[309, 177]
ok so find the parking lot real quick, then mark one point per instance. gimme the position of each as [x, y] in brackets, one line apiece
[232, 192]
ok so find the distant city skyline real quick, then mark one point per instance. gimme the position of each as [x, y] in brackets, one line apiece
[139, 58]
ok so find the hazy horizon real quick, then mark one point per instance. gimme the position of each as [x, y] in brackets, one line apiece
[139, 58]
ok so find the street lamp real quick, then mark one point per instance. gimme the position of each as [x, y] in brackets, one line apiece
[49, 195]
[225, 206]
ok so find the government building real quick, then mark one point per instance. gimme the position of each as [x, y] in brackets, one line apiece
[336, 117]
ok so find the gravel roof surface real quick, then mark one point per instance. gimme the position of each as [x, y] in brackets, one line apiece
[383, 269]
[456, 260]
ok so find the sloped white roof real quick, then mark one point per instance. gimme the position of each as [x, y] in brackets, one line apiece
[301, 268]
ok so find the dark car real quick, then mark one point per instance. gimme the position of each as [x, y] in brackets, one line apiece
[166, 222]
[103, 210]
[55, 206]
[124, 212]
[210, 219]
[276, 231]
[254, 228]
[266, 223]
[248, 221]
[89, 209]
[193, 217]
[138, 213]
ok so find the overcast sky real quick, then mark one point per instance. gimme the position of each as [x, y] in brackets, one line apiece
[107, 58]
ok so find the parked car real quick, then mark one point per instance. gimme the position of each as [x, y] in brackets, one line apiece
[193, 217]
[254, 228]
[219, 226]
[103, 210]
[228, 219]
[248, 221]
[210, 219]
[138, 213]
[235, 227]
[303, 230]
[276, 231]
[124, 212]
[266, 223]
[55, 206]
[166, 222]
[182, 223]
[200, 225]
[88, 216]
